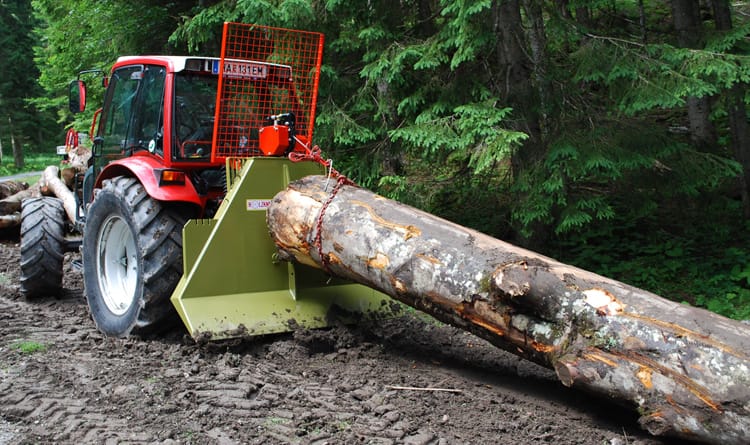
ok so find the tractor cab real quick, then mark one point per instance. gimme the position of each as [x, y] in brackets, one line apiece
[166, 106]
[173, 121]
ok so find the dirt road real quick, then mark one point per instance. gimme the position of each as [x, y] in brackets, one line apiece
[63, 382]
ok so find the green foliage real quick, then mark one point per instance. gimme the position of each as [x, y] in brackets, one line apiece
[200, 27]
[585, 177]
[472, 134]
[85, 34]
[645, 77]
[466, 29]
[30, 126]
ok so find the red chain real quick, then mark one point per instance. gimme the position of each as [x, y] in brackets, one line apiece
[341, 180]
[309, 155]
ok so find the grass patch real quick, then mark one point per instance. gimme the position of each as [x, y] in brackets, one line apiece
[32, 162]
[29, 347]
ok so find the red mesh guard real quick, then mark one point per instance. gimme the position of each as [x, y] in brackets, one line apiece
[264, 71]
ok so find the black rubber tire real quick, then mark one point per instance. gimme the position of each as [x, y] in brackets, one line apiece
[42, 246]
[128, 280]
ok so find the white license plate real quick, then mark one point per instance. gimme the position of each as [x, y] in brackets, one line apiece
[245, 70]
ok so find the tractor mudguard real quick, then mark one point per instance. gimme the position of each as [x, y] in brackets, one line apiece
[148, 169]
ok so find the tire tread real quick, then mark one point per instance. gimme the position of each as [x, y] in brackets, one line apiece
[42, 246]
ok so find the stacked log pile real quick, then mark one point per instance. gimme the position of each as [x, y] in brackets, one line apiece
[53, 182]
[685, 370]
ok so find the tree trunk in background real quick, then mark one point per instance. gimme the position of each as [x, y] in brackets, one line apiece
[642, 21]
[722, 14]
[12, 220]
[537, 39]
[740, 140]
[684, 369]
[689, 30]
[17, 149]
[737, 111]
[516, 66]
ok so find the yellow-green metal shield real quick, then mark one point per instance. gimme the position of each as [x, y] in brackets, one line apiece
[232, 286]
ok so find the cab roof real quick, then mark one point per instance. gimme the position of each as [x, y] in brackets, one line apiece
[176, 64]
[173, 63]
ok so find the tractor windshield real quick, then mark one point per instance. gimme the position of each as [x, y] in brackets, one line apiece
[194, 104]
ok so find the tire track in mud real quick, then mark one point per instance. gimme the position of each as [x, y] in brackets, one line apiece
[77, 392]
[311, 387]
[44, 394]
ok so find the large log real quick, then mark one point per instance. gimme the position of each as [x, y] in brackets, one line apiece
[685, 370]
[51, 184]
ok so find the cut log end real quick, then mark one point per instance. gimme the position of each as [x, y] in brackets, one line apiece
[566, 372]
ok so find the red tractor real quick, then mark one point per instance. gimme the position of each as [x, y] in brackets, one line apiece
[167, 130]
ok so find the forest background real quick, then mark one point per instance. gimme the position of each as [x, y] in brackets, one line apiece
[612, 135]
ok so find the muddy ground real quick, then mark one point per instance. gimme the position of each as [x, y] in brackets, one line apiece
[61, 381]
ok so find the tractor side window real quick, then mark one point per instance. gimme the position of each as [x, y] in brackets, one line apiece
[118, 108]
[194, 105]
[145, 130]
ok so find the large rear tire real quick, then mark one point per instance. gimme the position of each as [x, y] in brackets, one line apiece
[132, 259]
[42, 246]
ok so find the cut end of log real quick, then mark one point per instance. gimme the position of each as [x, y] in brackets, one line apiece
[566, 372]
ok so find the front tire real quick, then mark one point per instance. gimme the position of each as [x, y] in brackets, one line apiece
[42, 246]
[132, 259]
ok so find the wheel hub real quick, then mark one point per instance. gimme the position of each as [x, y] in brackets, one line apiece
[117, 263]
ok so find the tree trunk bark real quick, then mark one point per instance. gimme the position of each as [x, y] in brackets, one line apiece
[737, 111]
[518, 92]
[684, 369]
[740, 131]
[537, 39]
[687, 24]
[17, 149]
